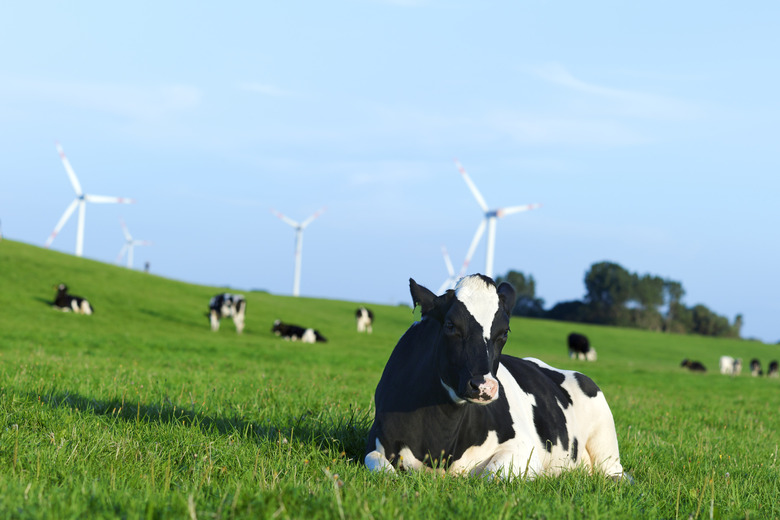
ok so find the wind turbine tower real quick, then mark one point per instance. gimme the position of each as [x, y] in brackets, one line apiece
[489, 221]
[81, 202]
[130, 243]
[299, 227]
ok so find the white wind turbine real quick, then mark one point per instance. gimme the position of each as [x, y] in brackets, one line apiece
[80, 201]
[449, 283]
[491, 216]
[130, 243]
[299, 227]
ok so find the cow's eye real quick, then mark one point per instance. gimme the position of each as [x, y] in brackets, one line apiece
[449, 328]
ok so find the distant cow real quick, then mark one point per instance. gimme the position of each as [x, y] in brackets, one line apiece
[773, 369]
[730, 366]
[68, 302]
[579, 347]
[365, 320]
[297, 333]
[449, 400]
[755, 368]
[227, 305]
[693, 366]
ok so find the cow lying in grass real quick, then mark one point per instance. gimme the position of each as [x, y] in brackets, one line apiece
[449, 399]
[297, 333]
[68, 302]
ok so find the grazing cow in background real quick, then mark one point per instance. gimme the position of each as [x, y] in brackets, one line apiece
[693, 366]
[773, 369]
[448, 400]
[755, 368]
[68, 302]
[364, 319]
[579, 347]
[227, 305]
[297, 333]
[730, 366]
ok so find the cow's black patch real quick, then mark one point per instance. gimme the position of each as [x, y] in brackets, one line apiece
[587, 385]
[574, 447]
[551, 399]
[563, 397]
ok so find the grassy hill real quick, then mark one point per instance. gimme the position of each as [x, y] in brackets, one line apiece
[141, 410]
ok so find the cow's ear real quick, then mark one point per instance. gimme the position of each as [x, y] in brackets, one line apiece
[422, 297]
[507, 296]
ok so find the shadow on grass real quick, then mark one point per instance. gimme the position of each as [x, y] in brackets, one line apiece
[345, 433]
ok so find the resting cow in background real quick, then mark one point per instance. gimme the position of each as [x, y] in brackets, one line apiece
[450, 400]
[755, 368]
[730, 366]
[693, 366]
[773, 369]
[297, 333]
[579, 347]
[227, 305]
[68, 302]
[365, 320]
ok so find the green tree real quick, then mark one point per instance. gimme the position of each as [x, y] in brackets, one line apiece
[673, 295]
[708, 323]
[648, 291]
[608, 287]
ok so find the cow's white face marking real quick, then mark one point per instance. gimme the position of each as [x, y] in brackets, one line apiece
[480, 301]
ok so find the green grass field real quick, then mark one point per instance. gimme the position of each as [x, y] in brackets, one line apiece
[140, 411]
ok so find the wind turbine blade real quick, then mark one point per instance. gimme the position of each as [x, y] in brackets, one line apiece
[472, 247]
[311, 219]
[141, 243]
[448, 262]
[503, 212]
[285, 219]
[126, 231]
[103, 199]
[121, 254]
[472, 187]
[63, 219]
[69, 169]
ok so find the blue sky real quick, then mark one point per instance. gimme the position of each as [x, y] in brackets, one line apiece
[648, 132]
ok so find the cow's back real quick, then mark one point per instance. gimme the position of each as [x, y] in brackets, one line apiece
[564, 411]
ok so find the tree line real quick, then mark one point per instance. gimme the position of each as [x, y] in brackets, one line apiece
[615, 296]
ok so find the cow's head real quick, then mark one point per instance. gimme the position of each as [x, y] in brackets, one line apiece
[474, 324]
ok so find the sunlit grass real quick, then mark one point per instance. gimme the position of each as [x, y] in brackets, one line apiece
[141, 411]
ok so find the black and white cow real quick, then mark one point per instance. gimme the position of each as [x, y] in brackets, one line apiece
[364, 319]
[68, 302]
[693, 366]
[755, 368]
[773, 369]
[227, 305]
[579, 347]
[448, 399]
[297, 333]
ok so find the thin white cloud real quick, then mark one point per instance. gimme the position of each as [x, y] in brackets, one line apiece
[132, 101]
[264, 89]
[552, 130]
[623, 102]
